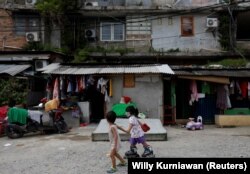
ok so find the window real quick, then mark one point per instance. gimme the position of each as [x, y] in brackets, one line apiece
[129, 81]
[25, 23]
[112, 32]
[243, 27]
[187, 26]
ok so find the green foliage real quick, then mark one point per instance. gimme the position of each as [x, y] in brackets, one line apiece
[233, 63]
[81, 56]
[12, 88]
[55, 7]
[57, 12]
[37, 46]
[122, 51]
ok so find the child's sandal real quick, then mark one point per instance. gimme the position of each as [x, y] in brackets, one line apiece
[112, 170]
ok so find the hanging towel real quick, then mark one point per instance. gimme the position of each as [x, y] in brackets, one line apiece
[194, 94]
[55, 90]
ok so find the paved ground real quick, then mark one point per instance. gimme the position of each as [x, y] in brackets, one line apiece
[75, 153]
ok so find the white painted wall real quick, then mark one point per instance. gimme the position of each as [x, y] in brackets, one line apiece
[166, 35]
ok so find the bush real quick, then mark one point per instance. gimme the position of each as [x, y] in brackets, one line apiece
[12, 88]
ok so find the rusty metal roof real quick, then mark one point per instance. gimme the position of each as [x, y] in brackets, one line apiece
[107, 69]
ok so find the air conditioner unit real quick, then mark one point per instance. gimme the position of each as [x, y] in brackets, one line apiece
[212, 22]
[39, 64]
[90, 33]
[91, 4]
[32, 37]
[30, 2]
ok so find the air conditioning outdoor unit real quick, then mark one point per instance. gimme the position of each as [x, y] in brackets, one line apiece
[32, 37]
[90, 33]
[91, 4]
[30, 2]
[39, 64]
[212, 22]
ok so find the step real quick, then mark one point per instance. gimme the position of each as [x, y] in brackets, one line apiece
[156, 133]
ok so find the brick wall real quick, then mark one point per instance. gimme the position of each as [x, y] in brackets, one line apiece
[7, 36]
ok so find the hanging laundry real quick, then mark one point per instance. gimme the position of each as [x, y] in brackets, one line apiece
[110, 88]
[72, 84]
[102, 87]
[232, 87]
[248, 88]
[77, 85]
[221, 101]
[81, 83]
[63, 87]
[227, 95]
[194, 92]
[55, 90]
[69, 87]
[238, 90]
[49, 88]
[243, 88]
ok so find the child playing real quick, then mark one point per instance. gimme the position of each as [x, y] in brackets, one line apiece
[115, 141]
[137, 134]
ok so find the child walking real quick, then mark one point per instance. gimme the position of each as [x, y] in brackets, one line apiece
[115, 142]
[136, 135]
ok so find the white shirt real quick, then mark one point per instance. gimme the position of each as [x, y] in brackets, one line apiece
[136, 130]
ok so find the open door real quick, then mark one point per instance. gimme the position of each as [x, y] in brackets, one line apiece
[169, 106]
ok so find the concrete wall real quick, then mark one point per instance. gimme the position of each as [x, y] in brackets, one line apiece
[166, 35]
[147, 93]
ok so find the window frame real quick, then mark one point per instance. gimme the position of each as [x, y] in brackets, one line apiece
[27, 27]
[112, 24]
[183, 33]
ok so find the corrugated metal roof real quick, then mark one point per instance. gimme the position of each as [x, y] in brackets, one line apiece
[23, 57]
[221, 72]
[108, 69]
[12, 69]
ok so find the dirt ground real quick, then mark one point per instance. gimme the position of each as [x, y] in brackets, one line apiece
[75, 153]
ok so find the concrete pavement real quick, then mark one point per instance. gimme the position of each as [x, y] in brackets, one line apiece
[76, 153]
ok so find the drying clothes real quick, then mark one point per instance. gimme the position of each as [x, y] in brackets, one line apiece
[223, 100]
[227, 95]
[238, 90]
[248, 88]
[49, 88]
[102, 86]
[194, 92]
[63, 86]
[244, 88]
[55, 90]
[110, 88]
[81, 83]
[71, 84]
[231, 87]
